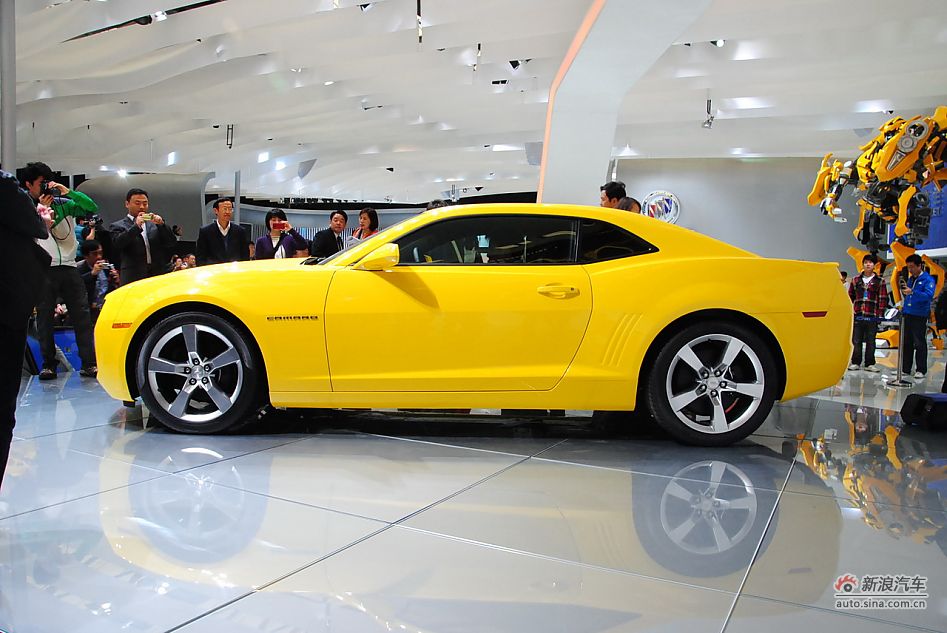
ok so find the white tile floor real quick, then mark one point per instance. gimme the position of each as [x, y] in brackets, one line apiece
[395, 522]
[864, 388]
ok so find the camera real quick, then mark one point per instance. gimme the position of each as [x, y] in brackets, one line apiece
[46, 190]
[146, 217]
[107, 266]
[94, 220]
[280, 225]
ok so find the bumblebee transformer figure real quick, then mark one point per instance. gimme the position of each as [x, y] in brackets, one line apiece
[889, 175]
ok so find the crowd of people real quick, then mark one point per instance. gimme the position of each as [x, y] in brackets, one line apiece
[870, 298]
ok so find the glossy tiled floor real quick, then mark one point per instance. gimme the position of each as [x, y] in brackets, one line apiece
[362, 521]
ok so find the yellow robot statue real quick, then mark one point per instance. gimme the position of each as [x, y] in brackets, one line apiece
[888, 176]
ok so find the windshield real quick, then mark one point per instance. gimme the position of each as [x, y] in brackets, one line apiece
[373, 238]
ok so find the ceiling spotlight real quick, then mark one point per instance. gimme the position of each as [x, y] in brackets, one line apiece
[159, 16]
[718, 43]
[296, 70]
[122, 173]
[709, 121]
[328, 83]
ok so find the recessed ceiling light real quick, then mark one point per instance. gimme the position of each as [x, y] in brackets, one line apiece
[280, 165]
[172, 158]
[328, 83]
[103, 167]
[158, 16]
[296, 70]
[718, 43]
[122, 173]
[748, 103]
[262, 157]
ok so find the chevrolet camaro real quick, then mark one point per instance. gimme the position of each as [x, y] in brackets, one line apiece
[489, 306]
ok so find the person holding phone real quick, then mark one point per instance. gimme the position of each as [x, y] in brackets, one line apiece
[141, 240]
[282, 242]
[918, 293]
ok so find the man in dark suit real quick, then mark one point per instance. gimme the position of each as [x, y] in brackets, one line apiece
[222, 240]
[331, 240]
[141, 240]
[20, 284]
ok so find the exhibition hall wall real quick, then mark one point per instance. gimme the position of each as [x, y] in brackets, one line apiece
[177, 198]
[758, 204]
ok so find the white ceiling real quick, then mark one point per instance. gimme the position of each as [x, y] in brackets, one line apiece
[795, 78]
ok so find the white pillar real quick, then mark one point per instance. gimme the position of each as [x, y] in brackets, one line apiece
[616, 44]
[8, 85]
[236, 196]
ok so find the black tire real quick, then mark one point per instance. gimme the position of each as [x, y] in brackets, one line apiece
[700, 367]
[198, 397]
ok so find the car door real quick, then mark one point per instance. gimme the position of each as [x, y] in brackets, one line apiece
[477, 303]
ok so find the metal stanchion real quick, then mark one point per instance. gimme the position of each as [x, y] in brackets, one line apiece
[900, 382]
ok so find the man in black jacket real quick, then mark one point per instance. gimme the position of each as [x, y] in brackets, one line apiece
[20, 285]
[222, 240]
[331, 240]
[141, 240]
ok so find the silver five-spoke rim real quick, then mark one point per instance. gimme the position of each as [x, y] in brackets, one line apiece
[715, 383]
[703, 517]
[195, 373]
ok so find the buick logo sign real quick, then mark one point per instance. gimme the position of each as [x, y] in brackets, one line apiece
[662, 205]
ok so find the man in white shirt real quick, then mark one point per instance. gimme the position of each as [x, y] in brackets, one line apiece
[222, 240]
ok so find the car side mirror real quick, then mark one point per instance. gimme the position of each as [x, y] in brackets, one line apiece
[382, 258]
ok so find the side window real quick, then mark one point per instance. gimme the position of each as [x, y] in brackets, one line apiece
[492, 239]
[601, 241]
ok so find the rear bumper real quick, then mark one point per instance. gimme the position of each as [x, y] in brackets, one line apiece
[816, 349]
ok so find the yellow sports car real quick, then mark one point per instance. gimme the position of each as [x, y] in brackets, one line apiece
[490, 306]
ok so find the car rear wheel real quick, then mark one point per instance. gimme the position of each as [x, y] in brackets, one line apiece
[196, 374]
[712, 384]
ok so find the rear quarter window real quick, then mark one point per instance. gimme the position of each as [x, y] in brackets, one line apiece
[602, 241]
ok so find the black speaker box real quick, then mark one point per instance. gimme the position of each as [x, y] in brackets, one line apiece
[925, 409]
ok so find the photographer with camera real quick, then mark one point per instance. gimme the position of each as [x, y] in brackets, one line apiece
[141, 240]
[99, 276]
[283, 240]
[20, 282]
[62, 278]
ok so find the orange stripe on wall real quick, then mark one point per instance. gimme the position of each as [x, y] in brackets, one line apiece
[574, 48]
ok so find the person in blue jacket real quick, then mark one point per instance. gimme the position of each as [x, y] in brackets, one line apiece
[918, 292]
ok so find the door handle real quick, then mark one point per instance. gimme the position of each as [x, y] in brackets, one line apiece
[558, 291]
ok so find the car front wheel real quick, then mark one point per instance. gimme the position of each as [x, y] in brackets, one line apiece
[712, 384]
[196, 374]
